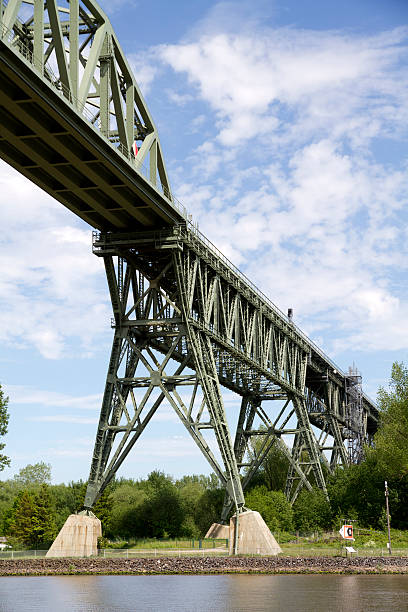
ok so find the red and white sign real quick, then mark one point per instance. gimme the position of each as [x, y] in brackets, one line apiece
[346, 532]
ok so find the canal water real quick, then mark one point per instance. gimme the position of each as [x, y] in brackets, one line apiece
[224, 593]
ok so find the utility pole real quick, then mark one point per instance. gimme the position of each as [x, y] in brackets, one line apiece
[388, 517]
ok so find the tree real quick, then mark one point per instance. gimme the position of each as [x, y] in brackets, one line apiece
[31, 519]
[208, 509]
[4, 419]
[191, 490]
[162, 511]
[391, 439]
[274, 468]
[21, 523]
[43, 521]
[312, 511]
[273, 506]
[66, 500]
[33, 475]
[357, 492]
[126, 520]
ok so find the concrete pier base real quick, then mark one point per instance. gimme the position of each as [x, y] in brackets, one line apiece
[78, 537]
[254, 536]
[218, 530]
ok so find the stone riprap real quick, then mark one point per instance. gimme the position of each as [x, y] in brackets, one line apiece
[205, 565]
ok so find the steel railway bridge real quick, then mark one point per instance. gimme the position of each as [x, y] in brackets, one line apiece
[188, 325]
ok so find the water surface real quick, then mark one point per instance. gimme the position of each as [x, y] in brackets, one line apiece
[227, 593]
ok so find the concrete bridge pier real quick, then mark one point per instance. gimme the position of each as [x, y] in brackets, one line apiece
[254, 536]
[78, 536]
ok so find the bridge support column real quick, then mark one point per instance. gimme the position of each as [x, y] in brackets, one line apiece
[157, 351]
[183, 331]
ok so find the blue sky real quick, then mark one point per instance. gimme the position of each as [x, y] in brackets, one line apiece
[284, 127]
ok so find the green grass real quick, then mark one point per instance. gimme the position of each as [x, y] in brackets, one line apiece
[368, 542]
[177, 544]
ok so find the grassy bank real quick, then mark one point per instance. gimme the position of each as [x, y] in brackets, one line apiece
[368, 543]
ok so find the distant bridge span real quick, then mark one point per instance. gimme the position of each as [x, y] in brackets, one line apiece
[187, 323]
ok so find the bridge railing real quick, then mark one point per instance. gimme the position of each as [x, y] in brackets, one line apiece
[264, 298]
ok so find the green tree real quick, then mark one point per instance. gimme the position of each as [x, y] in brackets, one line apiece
[312, 511]
[274, 468]
[43, 521]
[22, 520]
[66, 500]
[31, 518]
[273, 506]
[191, 489]
[126, 520]
[358, 492]
[4, 419]
[33, 475]
[208, 509]
[162, 511]
[391, 439]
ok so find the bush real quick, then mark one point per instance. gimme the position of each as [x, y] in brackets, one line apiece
[312, 511]
[272, 506]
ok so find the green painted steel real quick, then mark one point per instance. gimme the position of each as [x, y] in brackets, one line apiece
[71, 113]
[185, 318]
[187, 323]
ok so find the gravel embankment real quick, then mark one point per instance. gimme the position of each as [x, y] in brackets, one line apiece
[206, 565]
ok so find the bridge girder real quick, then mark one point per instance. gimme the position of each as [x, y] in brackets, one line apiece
[68, 90]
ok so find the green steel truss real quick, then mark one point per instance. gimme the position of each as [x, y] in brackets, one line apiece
[68, 50]
[73, 44]
[187, 328]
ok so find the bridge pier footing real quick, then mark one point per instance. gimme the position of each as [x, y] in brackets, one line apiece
[254, 536]
[218, 531]
[78, 537]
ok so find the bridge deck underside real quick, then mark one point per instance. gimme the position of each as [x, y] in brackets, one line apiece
[45, 139]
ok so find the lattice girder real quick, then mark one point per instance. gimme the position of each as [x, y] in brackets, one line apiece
[71, 44]
[173, 304]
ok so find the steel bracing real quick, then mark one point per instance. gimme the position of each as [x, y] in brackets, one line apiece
[191, 333]
[187, 325]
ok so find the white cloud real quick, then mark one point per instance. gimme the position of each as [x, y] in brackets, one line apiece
[145, 68]
[46, 263]
[179, 99]
[29, 395]
[291, 181]
[289, 83]
[296, 184]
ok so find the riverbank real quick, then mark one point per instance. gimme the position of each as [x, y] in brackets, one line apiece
[206, 565]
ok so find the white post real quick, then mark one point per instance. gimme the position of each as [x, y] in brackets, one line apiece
[388, 517]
